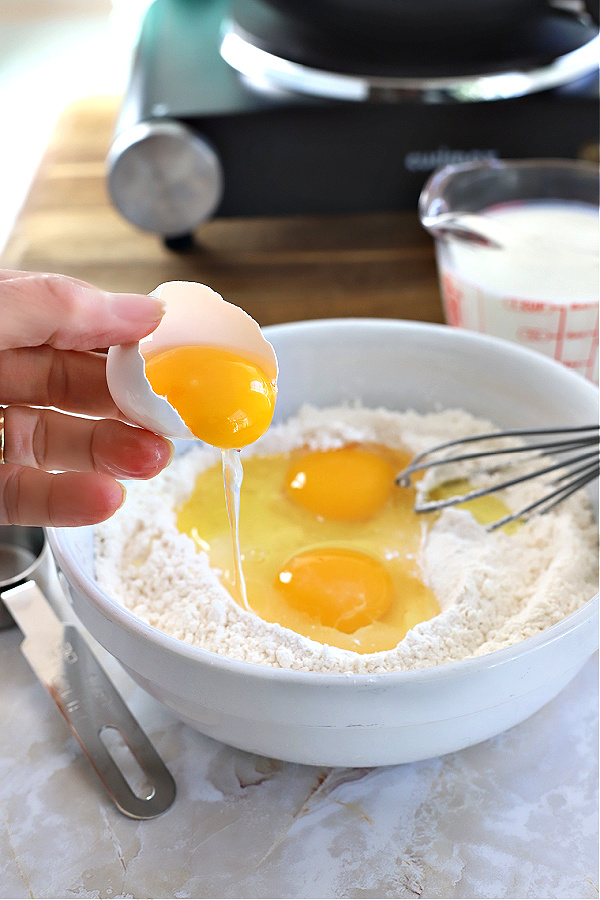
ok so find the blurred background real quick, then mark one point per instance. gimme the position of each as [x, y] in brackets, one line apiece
[51, 53]
[244, 123]
[277, 150]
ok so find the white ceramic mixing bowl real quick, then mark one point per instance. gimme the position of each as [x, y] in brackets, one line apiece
[365, 720]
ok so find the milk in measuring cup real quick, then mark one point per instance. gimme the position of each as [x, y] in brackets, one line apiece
[539, 289]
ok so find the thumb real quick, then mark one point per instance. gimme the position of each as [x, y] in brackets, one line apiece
[68, 314]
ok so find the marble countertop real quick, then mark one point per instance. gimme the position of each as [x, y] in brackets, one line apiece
[515, 816]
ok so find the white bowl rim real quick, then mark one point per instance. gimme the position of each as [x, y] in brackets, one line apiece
[456, 334]
[121, 616]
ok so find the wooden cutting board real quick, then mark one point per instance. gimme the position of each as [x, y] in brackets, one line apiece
[278, 269]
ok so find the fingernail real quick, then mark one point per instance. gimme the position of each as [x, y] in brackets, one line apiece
[171, 446]
[137, 307]
[142, 455]
[124, 498]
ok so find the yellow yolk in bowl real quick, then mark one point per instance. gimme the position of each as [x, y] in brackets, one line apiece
[341, 567]
[486, 509]
[224, 399]
[348, 483]
[341, 588]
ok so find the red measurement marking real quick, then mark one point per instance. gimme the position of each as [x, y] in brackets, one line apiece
[584, 305]
[532, 306]
[453, 297]
[579, 335]
[560, 338]
[591, 360]
[535, 334]
[574, 363]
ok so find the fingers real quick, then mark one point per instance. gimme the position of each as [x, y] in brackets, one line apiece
[96, 451]
[31, 497]
[68, 314]
[67, 379]
[45, 439]
[62, 470]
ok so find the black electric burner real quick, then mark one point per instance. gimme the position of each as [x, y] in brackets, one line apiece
[235, 109]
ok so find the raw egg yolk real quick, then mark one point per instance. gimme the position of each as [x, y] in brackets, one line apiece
[224, 399]
[338, 587]
[349, 584]
[347, 484]
[485, 509]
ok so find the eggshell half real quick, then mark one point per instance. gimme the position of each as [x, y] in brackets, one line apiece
[195, 315]
[133, 394]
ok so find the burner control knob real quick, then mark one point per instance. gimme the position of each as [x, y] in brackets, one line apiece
[164, 178]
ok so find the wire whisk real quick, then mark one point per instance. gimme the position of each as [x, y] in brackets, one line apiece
[578, 449]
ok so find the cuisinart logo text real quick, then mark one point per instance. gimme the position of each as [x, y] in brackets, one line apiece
[426, 160]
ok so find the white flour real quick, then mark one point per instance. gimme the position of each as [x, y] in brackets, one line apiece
[494, 589]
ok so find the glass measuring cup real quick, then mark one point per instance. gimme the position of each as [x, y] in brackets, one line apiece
[517, 252]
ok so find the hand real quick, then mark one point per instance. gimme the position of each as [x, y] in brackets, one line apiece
[61, 469]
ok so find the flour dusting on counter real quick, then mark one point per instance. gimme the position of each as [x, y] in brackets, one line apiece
[494, 588]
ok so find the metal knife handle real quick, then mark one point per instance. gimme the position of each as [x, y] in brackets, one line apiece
[94, 710]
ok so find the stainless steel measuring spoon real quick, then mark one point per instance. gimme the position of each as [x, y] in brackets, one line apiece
[32, 596]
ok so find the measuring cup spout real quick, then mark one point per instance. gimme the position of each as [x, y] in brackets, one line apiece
[468, 227]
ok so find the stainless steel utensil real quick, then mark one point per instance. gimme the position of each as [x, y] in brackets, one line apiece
[577, 468]
[55, 647]
[23, 554]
